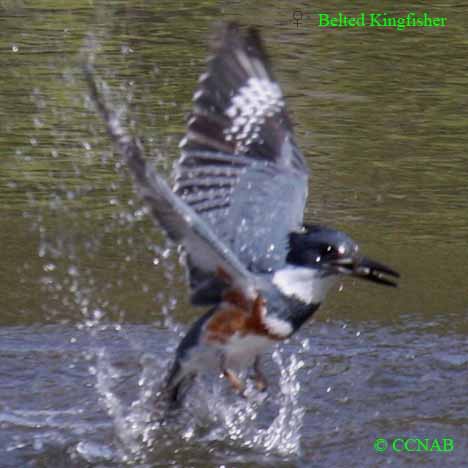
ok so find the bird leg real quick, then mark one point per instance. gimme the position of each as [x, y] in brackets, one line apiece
[231, 376]
[235, 382]
[261, 383]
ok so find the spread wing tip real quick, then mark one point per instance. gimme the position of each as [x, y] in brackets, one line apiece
[238, 107]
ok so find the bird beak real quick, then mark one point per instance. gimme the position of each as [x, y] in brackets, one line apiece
[365, 268]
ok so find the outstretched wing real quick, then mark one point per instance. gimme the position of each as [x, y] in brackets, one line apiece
[182, 224]
[240, 168]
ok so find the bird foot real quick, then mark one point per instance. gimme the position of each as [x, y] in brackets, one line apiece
[261, 384]
[235, 382]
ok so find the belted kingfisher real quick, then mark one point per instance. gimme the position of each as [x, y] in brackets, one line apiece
[237, 209]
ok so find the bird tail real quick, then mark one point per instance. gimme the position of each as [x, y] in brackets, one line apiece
[176, 387]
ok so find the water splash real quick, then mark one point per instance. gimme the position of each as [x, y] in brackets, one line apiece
[213, 412]
[135, 427]
[284, 433]
[241, 421]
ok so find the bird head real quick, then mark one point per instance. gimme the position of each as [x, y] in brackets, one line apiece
[332, 252]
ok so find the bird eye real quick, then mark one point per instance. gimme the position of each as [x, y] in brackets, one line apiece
[327, 250]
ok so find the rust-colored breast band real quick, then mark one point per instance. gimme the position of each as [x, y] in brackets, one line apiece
[237, 315]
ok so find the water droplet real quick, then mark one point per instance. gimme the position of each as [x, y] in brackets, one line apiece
[98, 314]
[37, 122]
[188, 434]
[49, 267]
[125, 49]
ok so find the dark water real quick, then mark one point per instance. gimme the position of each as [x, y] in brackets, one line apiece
[92, 300]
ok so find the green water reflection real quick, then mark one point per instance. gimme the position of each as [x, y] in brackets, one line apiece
[381, 116]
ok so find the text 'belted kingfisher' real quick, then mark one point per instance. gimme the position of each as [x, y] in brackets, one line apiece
[237, 209]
